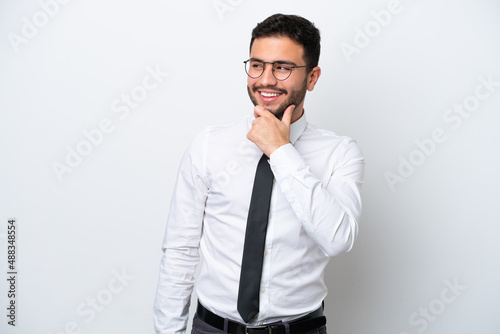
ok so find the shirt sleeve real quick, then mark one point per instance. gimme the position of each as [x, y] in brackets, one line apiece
[328, 209]
[181, 244]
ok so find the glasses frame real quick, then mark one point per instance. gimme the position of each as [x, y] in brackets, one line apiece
[272, 63]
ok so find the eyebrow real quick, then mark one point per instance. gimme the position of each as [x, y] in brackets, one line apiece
[280, 60]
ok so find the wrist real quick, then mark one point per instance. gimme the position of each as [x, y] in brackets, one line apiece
[276, 148]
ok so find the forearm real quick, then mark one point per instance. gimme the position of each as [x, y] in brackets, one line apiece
[328, 209]
[175, 285]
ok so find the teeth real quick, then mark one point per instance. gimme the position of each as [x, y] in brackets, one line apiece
[269, 94]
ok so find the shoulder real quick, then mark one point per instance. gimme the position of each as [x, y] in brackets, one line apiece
[336, 148]
[215, 131]
[329, 137]
[220, 135]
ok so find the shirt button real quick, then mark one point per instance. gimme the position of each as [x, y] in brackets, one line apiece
[263, 290]
[266, 253]
[270, 216]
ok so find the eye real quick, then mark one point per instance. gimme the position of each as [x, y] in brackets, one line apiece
[283, 67]
[256, 64]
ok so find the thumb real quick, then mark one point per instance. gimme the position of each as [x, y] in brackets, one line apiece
[287, 115]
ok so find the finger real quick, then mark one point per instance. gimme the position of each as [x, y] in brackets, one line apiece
[287, 115]
[259, 111]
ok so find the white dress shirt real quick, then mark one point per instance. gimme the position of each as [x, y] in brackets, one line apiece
[314, 213]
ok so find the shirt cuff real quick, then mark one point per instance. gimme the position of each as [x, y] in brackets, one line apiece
[285, 161]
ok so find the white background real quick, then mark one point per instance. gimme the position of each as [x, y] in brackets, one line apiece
[434, 227]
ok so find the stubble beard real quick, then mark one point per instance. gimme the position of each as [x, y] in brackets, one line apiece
[295, 97]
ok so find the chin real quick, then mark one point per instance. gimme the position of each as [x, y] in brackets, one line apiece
[278, 112]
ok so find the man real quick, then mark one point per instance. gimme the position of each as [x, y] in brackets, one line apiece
[311, 215]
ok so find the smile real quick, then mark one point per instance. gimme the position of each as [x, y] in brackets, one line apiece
[270, 94]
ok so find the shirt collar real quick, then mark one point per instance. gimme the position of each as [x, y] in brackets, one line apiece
[296, 128]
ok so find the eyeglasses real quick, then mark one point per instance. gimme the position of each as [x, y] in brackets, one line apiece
[282, 69]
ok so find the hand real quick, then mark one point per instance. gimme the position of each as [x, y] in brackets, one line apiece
[268, 132]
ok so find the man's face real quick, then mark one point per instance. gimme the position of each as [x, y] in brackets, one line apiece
[266, 90]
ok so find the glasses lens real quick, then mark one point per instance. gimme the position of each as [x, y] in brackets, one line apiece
[254, 68]
[282, 70]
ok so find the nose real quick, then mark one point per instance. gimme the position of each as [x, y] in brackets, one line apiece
[267, 78]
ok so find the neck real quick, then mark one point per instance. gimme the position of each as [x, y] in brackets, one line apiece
[297, 113]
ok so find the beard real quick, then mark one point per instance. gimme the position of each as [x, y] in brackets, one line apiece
[295, 97]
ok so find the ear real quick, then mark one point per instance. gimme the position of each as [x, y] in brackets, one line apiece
[313, 77]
